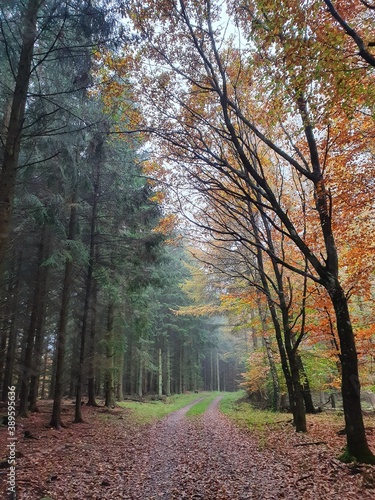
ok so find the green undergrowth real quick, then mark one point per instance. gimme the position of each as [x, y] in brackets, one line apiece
[238, 409]
[150, 411]
[202, 406]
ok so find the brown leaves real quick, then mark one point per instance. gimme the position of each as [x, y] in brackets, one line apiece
[177, 458]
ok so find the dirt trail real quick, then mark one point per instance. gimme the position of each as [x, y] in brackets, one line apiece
[204, 457]
[210, 458]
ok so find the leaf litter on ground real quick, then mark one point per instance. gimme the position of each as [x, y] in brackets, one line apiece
[209, 457]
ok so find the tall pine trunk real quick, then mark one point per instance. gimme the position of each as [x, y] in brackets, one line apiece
[39, 329]
[26, 368]
[62, 327]
[15, 126]
[12, 333]
[96, 155]
[160, 373]
[110, 353]
[168, 369]
[91, 357]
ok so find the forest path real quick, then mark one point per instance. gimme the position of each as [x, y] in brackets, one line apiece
[111, 457]
[204, 457]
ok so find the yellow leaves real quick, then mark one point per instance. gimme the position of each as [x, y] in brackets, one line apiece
[198, 311]
[256, 376]
[154, 171]
[158, 197]
[166, 225]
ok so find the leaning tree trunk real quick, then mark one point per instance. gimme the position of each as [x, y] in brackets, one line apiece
[297, 403]
[357, 446]
[270, 358]
[280, 344]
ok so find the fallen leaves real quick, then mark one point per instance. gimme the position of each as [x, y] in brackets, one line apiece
[207, 457]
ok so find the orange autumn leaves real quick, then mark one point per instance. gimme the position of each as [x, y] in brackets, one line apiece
[294, 50]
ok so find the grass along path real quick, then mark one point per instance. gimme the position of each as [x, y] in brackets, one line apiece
[200, 407]
[151, 411]
[244, 415]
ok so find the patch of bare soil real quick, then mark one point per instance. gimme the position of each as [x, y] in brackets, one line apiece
[111, 457]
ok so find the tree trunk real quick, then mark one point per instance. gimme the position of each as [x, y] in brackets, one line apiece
[96, 158]
[45, 364]
[275, 380]
[91, 357]
[160, 373]
[39, 329]
[357, 445]
[63, 321]
[140, 376]
[120, 378]
[306, 391]
[14, 129]
[4, 334]
[11, 330]
[294, 387]
[26, 369]
[180, 375]
[356, 441]
[270, 358]
[217, 371]
[109, 372]
[168, 370]
[211, 370]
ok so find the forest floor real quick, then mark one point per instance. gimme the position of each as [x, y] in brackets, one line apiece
[113, 457]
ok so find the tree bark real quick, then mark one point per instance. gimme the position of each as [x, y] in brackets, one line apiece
[109, 372]
[357, 445]
[140, 374]
[270, 358]
[39, 328]
[120, 377]
[26, 369]
[96, 156]
[91, 357]
[217, 371]
[160, 373]
[11, 330]
[306, 391]
[168, 370]
[63, 321]
[15, 126]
